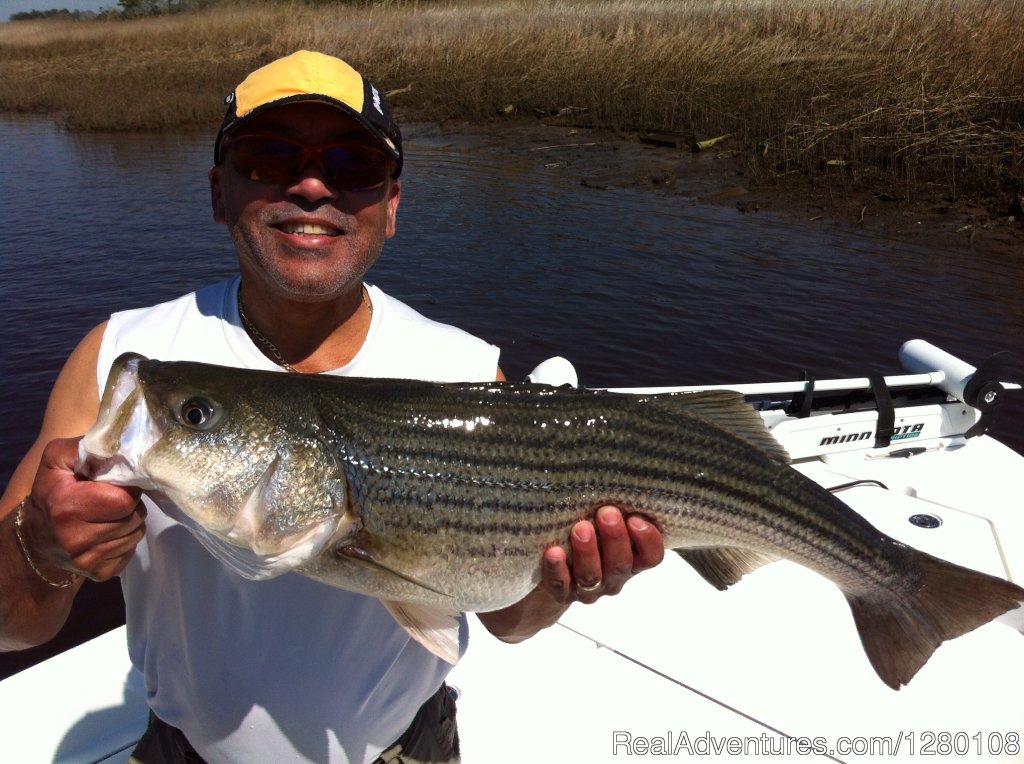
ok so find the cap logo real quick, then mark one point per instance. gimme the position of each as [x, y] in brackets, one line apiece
[376, 100]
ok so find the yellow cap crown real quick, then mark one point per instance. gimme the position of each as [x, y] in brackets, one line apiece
[309, 76]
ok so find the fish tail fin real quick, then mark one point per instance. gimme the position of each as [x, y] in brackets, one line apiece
[900, 631]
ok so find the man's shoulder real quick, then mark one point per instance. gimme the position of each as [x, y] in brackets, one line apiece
[411, 320]
[184, 325]
[208, 300]
[406, 342]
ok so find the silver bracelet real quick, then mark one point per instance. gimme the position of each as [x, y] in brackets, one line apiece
[18, 519]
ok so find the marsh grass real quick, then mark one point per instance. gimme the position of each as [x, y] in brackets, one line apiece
[911, 93]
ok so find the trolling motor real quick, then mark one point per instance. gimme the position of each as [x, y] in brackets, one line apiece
[979, 388]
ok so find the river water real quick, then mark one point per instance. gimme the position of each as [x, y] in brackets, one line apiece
[636, 288]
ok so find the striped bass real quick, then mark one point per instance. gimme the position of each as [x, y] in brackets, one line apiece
[441, 498]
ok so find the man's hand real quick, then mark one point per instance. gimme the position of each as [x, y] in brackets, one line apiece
[77, 526]
[605, 554]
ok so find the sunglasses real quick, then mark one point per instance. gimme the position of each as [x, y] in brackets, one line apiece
[277, 160]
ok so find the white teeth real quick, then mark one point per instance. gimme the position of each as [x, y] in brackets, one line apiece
[310, 229]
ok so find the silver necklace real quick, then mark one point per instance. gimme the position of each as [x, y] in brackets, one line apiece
[260, 337]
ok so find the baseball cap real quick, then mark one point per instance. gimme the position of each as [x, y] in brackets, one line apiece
[306, 76]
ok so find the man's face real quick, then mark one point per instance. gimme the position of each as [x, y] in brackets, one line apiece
[304, 238]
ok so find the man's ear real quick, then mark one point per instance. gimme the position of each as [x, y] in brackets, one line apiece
[216, 194]
[394, 195]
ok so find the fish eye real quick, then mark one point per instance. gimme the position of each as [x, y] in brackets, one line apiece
[198, 413]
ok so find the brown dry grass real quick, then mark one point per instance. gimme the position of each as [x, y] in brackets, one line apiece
[920, 92]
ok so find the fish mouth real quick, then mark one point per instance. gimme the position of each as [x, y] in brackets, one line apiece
[110, 451]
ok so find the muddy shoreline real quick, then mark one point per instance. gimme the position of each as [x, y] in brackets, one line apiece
[604, 159]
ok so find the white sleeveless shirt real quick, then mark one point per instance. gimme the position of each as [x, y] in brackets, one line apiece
[290, 669]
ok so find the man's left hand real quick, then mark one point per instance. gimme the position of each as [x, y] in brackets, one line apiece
[605, 554]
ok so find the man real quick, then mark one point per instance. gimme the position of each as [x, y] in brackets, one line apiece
[306, 178]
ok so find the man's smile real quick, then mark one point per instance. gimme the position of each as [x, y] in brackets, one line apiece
[308, 229]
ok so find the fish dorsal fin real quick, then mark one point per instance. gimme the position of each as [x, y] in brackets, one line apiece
[436, 630]
[730, 410]
[723, 566]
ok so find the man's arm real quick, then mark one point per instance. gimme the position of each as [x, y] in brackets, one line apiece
[69, 527]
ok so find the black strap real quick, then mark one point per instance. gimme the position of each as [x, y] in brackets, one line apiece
[800, 406]
[886, 412]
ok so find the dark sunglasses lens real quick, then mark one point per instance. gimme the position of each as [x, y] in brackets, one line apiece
[270, 160]
[354, 167]
[266, 160]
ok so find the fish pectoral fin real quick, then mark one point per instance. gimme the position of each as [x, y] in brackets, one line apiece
[724, 566]
[436, 630]
[361, 555]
